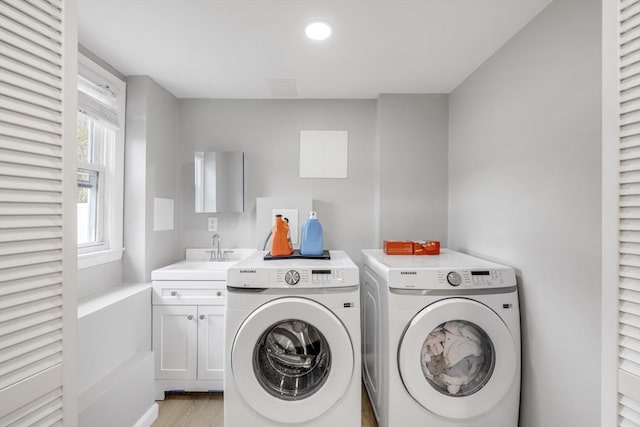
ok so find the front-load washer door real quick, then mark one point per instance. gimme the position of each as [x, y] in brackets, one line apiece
[457, 358]
[292, 360]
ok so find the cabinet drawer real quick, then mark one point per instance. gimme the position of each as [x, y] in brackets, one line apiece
[189, 293]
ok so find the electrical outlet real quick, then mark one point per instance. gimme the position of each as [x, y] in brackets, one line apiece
[292, 216]
[212, 224]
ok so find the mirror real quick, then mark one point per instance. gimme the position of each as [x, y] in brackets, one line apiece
[219, 181]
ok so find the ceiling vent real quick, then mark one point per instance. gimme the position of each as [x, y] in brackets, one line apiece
[282, 88]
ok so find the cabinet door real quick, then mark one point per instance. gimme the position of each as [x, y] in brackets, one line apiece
[210, 342]
[175, 341]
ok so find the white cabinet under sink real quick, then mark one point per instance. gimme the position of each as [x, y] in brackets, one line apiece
[188, 335]
[175, 340]
[210, 335]
[188, 325]
[189, 344]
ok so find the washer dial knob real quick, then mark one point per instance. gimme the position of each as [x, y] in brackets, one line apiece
[454, 278]
[292, 277]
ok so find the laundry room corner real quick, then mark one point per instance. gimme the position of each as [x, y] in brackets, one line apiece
[524, 189]
[280, 213]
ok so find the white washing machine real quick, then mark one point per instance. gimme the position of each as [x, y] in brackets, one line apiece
[441, 340]
[292, 343]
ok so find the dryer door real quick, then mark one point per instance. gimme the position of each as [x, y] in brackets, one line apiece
[292, 360]
[457, 358]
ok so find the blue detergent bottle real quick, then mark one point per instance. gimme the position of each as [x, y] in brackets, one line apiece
[311, 243]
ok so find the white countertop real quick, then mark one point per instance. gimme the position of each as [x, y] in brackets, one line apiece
[198, 267]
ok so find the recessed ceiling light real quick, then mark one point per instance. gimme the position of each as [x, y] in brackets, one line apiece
[319, 30]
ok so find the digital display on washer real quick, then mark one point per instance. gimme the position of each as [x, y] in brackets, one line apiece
[320, 271]
[480, 273]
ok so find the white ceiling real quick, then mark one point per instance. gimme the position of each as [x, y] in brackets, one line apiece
[230, 49]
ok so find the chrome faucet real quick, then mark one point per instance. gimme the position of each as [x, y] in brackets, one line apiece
[217, 254]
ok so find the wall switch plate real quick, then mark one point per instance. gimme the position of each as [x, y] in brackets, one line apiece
[212, 224]
[292, 216]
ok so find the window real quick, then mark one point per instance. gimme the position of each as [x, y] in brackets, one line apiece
[100, 137]
[93, 141]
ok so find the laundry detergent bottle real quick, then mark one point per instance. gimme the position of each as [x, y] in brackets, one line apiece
[281, 243]
[311, 242]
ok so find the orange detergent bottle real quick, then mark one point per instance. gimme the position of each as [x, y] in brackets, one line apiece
[281, 244]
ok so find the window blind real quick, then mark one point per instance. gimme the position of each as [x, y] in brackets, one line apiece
[98, 98]
[629, 216]
[31, 108]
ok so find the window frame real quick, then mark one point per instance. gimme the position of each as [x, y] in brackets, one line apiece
[100, 243]
[111, 177]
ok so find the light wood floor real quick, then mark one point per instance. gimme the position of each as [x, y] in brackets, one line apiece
[207, 410]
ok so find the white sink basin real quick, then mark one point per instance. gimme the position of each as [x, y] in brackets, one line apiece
[198, 267]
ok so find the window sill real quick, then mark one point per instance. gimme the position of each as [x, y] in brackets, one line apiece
[92, 259]
[96, 302]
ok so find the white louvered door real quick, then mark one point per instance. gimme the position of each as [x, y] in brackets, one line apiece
[629, 215]
[35, 55]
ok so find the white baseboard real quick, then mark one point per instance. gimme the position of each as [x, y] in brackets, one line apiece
[148, 417]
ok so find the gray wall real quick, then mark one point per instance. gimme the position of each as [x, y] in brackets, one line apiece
[150, 172]
[99, 278]
[268, 131]
[413, 137]
[135, 169]
[162, 173]
[524, 180]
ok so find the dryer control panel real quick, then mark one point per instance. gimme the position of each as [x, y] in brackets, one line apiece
[451, 279]
[473, 278]
[448, 271]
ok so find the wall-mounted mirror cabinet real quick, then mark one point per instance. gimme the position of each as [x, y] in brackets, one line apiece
[219, 181]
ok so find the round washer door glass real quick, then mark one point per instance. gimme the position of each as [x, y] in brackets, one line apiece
[457, 358]
[292, 359]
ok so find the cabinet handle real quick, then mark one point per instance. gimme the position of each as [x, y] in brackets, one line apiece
[202, 316]
[174, 293]
[190, 317]
[219, 293]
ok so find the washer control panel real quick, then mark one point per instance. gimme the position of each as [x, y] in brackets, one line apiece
[257, 272]
[310, 277]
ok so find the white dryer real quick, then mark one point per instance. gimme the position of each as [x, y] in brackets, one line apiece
[441, 340]
[292, 343]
